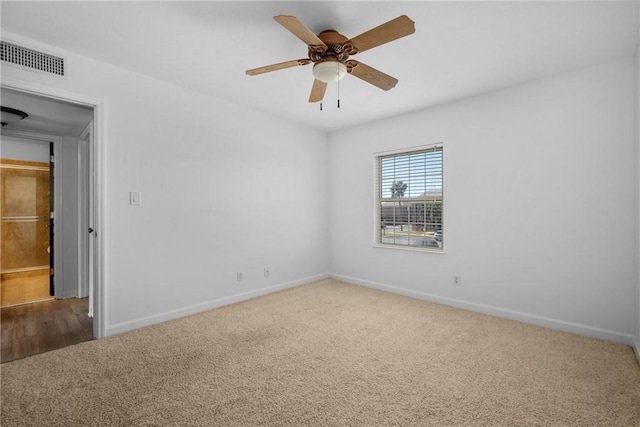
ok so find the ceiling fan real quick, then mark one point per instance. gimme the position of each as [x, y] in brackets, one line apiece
[329, 51]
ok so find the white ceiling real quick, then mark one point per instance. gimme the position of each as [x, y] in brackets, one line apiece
[47, 116]
[459, 49]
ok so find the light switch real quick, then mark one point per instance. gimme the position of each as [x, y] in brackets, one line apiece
[134, 198]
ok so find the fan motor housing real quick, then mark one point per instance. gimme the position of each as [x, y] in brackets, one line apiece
[335, 51]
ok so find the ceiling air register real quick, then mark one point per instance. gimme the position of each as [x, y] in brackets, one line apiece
[33, 59]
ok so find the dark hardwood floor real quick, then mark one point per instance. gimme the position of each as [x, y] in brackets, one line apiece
[38, 327]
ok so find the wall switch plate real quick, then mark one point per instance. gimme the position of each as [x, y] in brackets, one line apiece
[239, 276]
[134, 198]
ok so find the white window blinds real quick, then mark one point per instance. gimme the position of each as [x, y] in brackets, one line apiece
[409, 203]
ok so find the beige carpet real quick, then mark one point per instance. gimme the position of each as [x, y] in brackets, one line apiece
[328, 354]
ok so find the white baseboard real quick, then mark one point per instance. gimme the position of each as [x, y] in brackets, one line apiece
[208, 305]
[532, 319]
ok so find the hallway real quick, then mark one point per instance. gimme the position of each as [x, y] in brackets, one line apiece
[39, 327]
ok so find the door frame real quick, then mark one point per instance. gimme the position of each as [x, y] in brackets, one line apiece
[97, 158]
[52, 212]
[87, 215]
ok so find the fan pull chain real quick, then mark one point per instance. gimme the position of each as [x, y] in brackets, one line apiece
[321, 106]
[338, 86]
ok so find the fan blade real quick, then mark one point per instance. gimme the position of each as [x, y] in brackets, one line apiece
[280, 66]
[396, 28]
[317, 91]
[296, 27]
[371, 75]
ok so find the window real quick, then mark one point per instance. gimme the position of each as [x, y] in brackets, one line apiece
[409, 198]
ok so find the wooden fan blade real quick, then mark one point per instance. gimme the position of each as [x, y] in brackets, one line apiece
[371, 75]
[280, 66]
[317, 91]
[296, 27]
[385, 33]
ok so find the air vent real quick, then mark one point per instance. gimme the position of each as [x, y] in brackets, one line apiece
[32, 59]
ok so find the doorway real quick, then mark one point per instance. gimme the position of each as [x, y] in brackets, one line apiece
[43, 307]
[85, 266]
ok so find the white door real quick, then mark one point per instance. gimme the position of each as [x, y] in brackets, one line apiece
[88, 216]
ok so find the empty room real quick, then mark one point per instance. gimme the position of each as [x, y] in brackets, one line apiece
[331, 213]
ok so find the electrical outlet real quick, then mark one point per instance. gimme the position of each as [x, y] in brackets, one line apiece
[239, 276]
[267, 273]
[457, 280]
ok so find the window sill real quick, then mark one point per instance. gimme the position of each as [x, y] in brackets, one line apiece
[409, 248]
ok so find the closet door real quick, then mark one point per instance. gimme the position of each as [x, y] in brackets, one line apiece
[26, 246]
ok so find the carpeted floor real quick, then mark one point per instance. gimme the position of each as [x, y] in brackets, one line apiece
[328, 354]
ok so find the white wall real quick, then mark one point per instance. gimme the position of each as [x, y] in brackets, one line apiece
[539, 203]
[67, 230]
[538, 200]
[224, 189]
[22, 149]
[637, 118]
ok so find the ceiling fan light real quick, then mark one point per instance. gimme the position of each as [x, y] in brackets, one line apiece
[329, 71]
[11, 115]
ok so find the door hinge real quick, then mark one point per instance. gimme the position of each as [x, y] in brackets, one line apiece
[52, 158]
[52, 272]
[52, 215]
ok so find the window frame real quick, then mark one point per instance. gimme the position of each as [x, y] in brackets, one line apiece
[378, 199]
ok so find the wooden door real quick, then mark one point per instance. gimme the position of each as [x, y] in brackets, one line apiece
[25, 248]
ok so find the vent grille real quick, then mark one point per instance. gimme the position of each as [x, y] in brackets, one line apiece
[30, 58]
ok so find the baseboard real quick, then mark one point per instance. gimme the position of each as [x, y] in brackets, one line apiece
[499, 312]
[636, 349]
[208, 305]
